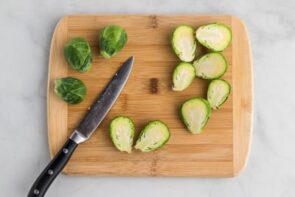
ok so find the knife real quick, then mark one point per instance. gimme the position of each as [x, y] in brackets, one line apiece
[86, 128]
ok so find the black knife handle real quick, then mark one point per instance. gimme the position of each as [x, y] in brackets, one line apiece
[51, 171]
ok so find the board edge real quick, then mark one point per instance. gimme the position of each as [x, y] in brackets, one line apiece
[60, 24]
[243, 113]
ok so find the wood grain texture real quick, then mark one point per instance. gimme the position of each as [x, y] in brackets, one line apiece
[242, 95]
[220, 151]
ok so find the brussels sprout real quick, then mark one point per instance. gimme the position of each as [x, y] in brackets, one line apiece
[78, 54]
[183, 76]
[184, 43]
[111, 40]
[122, 133]
[154, 135]
[70, 89]
[195, 114]
[210, 66]
[215, 37]
[218, 92]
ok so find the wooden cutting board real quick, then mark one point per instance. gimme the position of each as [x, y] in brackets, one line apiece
[221, 150]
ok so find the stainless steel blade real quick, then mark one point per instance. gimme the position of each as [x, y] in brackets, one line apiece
[103, 104]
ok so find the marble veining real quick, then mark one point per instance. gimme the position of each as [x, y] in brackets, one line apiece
[26, 29]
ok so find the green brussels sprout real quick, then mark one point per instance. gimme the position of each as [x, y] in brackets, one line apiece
[210, 66]
[195, 114]
[78, 54]
[70, 89]
[111, 40]
[184, 43]
[153, 136]
[183, 76]
[122, 133]
[218, 92]
[215, 36]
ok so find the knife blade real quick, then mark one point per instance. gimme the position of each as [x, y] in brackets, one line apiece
[85, 129]
[103, 104]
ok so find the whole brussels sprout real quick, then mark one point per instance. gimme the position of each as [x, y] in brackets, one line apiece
[78, 54]
[111, 40]
[70, 89]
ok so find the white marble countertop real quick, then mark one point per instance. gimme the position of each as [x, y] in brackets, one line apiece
[26, 29]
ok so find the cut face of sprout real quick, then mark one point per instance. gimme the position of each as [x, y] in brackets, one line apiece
[183, 75]
[184, 43]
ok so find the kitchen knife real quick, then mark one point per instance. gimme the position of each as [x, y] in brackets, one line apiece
[87, 126]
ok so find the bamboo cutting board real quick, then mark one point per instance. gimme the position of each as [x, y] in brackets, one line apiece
[221, 150]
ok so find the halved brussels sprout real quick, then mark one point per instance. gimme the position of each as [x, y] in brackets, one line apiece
[122, 133]
[154, 135]
[78, 54]
[70, 89]
[210, 66]
[111, 40]
[183, 76]
[218, 92]
[195, 114]
[184, 43]
[215, 37]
